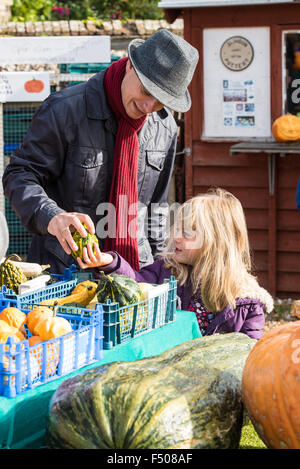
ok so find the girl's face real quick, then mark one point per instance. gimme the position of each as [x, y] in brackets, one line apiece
[187, 248]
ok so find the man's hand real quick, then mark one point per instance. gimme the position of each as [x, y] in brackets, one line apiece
[92, 260]
[63, 224]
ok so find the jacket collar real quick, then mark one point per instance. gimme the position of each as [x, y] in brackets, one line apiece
[97, 105]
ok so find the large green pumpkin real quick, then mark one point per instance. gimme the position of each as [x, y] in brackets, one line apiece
[118, 288]
[187, 397]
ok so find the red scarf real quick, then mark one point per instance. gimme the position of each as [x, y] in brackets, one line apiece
[124, 187]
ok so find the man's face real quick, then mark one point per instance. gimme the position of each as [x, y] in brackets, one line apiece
[136, 100]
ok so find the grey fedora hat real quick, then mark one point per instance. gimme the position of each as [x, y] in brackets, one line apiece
[165, 64]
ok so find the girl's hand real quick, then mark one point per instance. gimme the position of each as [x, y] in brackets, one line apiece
[94, 260]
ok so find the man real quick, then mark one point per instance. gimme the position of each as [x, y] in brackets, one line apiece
[103, 151]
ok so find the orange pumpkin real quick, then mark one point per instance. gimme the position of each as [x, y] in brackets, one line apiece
[271, 386]
[34, 86]
[8, 331]
[35, 315]
[14, 317]
[286, 128]
[53, 327]
[34, 339]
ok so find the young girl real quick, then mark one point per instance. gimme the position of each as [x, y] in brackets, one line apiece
[208, 253]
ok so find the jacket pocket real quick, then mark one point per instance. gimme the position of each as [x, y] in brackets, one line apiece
[85, 176]
[154, 163]
[156, 159]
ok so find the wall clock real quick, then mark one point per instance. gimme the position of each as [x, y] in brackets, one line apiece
[237, 53]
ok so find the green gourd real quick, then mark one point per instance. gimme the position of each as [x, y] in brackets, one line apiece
[187, 397]
[83, 242]
[10, 275]
[118, 288]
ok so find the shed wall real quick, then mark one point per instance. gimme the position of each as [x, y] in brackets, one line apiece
[273, 221]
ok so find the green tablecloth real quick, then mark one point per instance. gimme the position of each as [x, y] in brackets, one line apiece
[23, 418]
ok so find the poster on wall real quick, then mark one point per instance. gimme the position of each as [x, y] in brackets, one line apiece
[236, 83]
[24, 86]
[238, 103]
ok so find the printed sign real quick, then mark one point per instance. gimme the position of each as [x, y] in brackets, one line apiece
[238, 103]
[54, 49]
[24, 86]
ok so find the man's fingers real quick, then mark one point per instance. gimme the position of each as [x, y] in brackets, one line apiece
[64, 244]
[88, 221]
[78, 226]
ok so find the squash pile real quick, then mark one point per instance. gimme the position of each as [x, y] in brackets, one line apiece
[40, 321]
[15, 273]
[42, 325]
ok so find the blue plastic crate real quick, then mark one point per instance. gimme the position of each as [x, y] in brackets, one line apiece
[23, 367]
[127, 322]
[62, 287]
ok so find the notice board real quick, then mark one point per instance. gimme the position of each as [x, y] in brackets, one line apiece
[236, 82]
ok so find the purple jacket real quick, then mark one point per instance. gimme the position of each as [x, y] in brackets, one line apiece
[248, 316]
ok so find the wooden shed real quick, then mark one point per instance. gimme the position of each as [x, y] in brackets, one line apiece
[247, 77]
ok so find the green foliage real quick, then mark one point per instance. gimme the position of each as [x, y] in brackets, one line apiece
[249, 437]
[128, 9]
[99, 10]
[74, 10]
[31, 10]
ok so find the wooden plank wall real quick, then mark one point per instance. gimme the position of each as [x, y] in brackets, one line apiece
[273, 222]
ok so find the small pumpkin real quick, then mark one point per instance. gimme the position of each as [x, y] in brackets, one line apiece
[34, 339]
[286, 128]
[34, 86]
[271, 387]
[35, 315]
[53, 327]
[8, 331]
[14, 317]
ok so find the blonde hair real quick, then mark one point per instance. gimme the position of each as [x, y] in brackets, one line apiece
[224, 263]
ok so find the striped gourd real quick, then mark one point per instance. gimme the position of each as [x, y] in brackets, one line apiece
[186, 397]
[118, 288]
[10, 275]
[83, 242]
